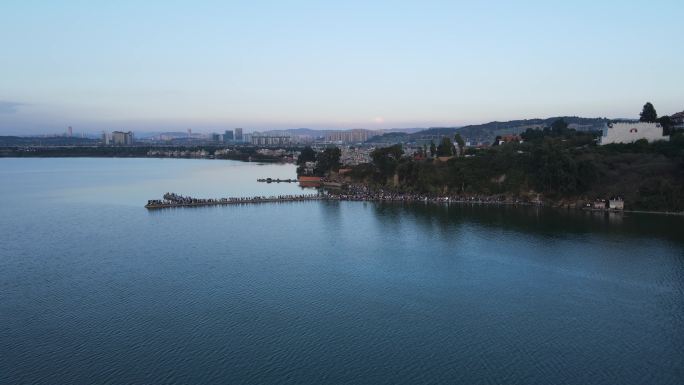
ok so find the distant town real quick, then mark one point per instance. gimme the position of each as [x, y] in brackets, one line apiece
[475, 136]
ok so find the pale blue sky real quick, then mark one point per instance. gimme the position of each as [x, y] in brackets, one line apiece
[167, 65]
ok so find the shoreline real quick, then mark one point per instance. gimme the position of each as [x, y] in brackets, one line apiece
[673, 213]
[248, 159]
[257, 160]
[491, 200]
[172, 200]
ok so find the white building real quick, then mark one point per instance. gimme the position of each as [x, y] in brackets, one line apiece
[630, 132]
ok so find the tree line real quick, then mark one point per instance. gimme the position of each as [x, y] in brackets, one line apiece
[324, 162]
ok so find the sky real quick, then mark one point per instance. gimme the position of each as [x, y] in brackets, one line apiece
[214, 65]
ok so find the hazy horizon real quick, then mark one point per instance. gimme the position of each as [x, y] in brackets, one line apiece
[219, 130]
[276, 65]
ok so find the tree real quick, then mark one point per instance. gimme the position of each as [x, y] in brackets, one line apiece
[665, 122]
[532, 134]
[307, 155]
[433, 148]
[559, 127]
[445, 147]
[386, 159]
[555, 170]
[328, 160]
[460, 142]
[648, 114]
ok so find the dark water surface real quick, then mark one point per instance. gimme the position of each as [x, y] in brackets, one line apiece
[94, 289]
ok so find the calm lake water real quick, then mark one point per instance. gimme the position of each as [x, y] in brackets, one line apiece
[94, 289]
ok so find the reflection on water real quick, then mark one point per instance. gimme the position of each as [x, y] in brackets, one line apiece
[134, 181]
[535, 220]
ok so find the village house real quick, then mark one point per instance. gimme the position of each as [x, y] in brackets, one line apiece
[678, 119]
[510, 139]
[616, 204]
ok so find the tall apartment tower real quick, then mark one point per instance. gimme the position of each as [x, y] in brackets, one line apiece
[238, 135]
[228, 136]
[70, 132]
[120, 138]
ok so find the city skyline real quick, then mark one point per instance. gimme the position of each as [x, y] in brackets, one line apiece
[279, 65]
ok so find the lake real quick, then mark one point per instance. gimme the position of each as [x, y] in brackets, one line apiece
[95, 289]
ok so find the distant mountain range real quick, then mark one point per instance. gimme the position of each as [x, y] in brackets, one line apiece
[476, 133]
[318, 133]
[485, 133]
[314, 133]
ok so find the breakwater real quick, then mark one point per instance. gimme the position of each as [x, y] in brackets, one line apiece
[176, 200]
[277, 180]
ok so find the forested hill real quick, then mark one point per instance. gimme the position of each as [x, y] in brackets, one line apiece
[486, 132]
[562, 166]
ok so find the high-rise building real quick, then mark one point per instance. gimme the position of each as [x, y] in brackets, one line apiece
[238, 135]
[350, 136]
[228, 136]
[70, 132]
[269, 141]
[215, 137]
[120, 138]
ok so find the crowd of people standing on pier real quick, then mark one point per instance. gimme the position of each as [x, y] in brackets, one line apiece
[172, 199]
[365, 193]
[350, 193]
